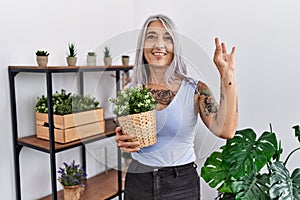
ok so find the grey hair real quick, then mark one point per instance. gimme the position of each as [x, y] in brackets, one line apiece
[177, 66]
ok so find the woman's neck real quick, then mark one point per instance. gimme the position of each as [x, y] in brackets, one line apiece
[157, 74]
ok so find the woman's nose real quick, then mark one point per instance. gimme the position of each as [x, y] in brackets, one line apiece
[159, 44]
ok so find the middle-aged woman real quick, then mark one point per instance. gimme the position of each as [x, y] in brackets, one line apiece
[166, 170]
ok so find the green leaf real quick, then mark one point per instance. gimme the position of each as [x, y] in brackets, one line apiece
[244, 154]
[297, 131]
[216, 172]
[284, 186]
[249, 187]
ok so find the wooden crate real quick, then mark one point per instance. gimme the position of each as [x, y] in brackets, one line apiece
[71, 127]
[71, 120]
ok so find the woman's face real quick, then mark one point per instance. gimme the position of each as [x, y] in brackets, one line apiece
[158, 46]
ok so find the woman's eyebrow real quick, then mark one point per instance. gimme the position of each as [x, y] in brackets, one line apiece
[151, 32]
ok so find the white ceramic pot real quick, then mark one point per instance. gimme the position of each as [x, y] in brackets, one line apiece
[91, 60]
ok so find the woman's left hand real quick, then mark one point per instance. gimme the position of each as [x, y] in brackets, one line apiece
[223, 60]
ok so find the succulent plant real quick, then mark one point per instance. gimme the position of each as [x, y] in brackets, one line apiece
[106, 52]
[41, 53]
[72, 50]
[91, 53]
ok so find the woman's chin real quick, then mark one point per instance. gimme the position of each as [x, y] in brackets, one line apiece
[158, 65]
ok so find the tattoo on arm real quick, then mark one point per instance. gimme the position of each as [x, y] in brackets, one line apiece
[209, 103]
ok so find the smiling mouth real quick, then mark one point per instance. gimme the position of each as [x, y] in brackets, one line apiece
[159, 54]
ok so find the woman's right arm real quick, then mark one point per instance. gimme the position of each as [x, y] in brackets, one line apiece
[126, 141]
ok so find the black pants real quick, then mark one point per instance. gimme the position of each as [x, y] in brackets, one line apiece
[175, 183]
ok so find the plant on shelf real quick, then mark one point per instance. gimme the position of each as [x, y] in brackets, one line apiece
[237, 169]
[91, 53]
[74, 117]
[42, 58]
[125, 59]
[107, 56]
[72, 52]
[91, 59]
[66, 103]
[73, 178]
[133, 107]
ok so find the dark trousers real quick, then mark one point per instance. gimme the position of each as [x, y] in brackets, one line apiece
[149, 183]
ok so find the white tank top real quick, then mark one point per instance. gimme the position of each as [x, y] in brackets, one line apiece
[175, 132]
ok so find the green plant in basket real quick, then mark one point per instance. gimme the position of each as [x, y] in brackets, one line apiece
[132, 101]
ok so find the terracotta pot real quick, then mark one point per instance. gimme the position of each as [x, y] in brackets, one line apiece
[107, 61]
[73, 192]
[71, 61]
[42, 61]
[125, 61]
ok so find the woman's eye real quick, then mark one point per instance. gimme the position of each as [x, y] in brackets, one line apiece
[168, 38]
[150, 37]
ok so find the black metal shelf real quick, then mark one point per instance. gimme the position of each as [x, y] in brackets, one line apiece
[50, 146]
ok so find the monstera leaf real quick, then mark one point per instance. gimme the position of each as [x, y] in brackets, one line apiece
[249, 187]
[284, 186]
[245, 154]
[297, 131]
[215, 172]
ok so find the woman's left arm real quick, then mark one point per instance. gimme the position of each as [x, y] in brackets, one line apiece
[222, 120]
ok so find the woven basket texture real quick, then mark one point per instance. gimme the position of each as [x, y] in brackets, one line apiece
[142, 126]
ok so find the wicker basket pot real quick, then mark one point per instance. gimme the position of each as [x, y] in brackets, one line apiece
[142, 126]
[73, 192]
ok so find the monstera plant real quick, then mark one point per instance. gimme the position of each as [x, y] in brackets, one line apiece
[237, 170]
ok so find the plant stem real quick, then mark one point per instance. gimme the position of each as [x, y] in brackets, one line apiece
[290, 155]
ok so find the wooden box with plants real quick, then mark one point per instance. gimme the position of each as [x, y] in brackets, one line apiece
[247, 168]
[74, 117]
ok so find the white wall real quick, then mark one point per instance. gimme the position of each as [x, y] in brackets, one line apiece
[266, 34]
[31, 25]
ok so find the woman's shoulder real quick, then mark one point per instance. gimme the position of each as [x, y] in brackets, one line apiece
[197, 85]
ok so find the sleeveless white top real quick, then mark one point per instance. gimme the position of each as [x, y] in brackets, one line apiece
[175, 132]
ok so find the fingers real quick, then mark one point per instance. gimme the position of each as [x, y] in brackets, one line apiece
[217, 43]
[126, 142]
[222, 47]
[232, 51]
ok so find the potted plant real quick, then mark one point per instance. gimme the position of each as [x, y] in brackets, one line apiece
[42, 58]
[135, 112]
[71, 58]
[73, 179]
[107, 56]
[237, 168]
[125, 60]
[91, 59]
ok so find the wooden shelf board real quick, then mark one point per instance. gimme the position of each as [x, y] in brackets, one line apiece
[58, 69]
[102, 186]
[43, 145]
